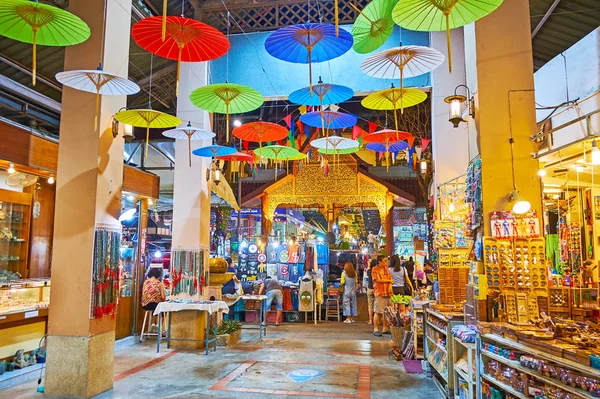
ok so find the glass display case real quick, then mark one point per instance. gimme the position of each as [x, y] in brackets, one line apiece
[15, 210]
[27, 295]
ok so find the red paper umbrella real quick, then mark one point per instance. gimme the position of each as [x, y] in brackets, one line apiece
[237, 156]
[186, 40]
[260, 132]
[386, 136]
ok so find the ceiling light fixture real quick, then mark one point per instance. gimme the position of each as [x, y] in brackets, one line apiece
[542, 172]
[595, 153]
[520, 205]
[51, 179]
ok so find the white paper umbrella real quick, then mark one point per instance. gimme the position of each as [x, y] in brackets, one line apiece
[191, 133]
[98, 82]
[402, 62]
[334, 142]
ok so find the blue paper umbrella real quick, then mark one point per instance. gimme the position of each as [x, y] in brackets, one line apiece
[212, 151]
[381, 147]
[326, 94]
[331, 119]
[308, 43]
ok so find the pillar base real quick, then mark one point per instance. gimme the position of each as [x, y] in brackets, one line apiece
[80, 367]
[188, 324]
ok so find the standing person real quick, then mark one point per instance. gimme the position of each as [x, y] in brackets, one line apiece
[349, 282]
[371, 239]
[410, 268]
[272, 289]
[401, 278]
[370, 292]
[231, 286]
[382, 284]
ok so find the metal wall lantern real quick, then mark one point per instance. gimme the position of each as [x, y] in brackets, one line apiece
[456, 109]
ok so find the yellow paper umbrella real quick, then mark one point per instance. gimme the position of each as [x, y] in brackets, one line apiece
[440, 15]
[147, 118]
[392, 99]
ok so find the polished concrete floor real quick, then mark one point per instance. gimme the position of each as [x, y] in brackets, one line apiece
[331, 359]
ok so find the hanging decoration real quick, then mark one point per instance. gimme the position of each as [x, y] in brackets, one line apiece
[147, 118]
[105, 271]
[392, 99]
[186, 40]
[227, 98]
[260, 132]
[213, 151]
[190, 133]
[373, 26]
[332, 120]
[436, 15]
[386, 148]
[97, 82]
[37, 23]
[308, 43]
[277, 153]
[187, 274]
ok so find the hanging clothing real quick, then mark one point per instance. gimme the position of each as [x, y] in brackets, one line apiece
[319, 297]
[287, 299]
[349, 299]
[310, 258]
[306, 295]
[293, 253]
[322, 254]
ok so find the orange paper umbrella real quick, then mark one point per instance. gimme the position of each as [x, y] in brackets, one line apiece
[186, 40]
[260, 132]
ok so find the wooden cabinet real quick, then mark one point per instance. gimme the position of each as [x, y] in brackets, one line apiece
[15, 224]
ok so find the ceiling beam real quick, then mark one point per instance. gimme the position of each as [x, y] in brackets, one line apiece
[544, 18]
[14, 64]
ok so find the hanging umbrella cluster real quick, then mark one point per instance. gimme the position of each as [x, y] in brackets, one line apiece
[308, 44]
[184, 40]
[190, 133]
[37, 23]
[227, 98]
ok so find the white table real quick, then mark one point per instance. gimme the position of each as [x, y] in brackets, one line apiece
[209, 307]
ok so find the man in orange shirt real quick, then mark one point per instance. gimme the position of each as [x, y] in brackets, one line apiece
[382, 286]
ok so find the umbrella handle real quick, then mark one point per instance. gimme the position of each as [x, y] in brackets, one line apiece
[190, 150]
[164, 21]
[147, 142]
[96, 118]
[178, 69]
[361, 13]
[34, 62]
[337, 18]
[396, 119]
[447, 15]
[227, 121]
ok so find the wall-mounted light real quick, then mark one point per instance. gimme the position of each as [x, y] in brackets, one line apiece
[51, 179]
[11, 168]
[455, 104]
[542, 172]
[214, 173]
[128, 133]
[423, 166]
[520, 206]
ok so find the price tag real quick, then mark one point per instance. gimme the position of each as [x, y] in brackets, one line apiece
[33, 313]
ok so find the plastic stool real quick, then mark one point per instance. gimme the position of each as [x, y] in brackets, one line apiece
[147, 313]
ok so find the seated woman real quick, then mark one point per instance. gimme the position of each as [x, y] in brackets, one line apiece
[230, 287]
[153, 292]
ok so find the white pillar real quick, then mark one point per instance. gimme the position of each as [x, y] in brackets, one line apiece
[191, 197]
[450, 149]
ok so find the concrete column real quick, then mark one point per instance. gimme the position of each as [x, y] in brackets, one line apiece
[191, 197]
[450, 146]
[88, 196]
[499, 70]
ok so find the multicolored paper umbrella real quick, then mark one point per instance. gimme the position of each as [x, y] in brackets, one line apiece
[214, 151]
[147, 118]
[373, 26]
[260, 132]
[439, 15]
[387, 149]
[276, 153]
[37, 23]
[332, 119]
[98, 82]
[227, 98]
[308, 43]
[186, 40]
[190, 133]
[392, 99]
[402, 62]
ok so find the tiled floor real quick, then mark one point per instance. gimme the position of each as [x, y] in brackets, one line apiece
[295, 360]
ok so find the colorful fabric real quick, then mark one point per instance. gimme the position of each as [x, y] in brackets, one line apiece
[151, 292]
[384, 289]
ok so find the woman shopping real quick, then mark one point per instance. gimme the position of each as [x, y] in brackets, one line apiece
[348, 281]
[402, 284]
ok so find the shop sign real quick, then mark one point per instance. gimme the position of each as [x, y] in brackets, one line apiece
[507, 225]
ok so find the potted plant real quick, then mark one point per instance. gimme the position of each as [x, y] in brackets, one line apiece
[229, 333]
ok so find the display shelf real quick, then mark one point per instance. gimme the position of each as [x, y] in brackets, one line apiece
[439, 386]
[441, 374]
[438, 345]
[459, 349]
[503, 386]
[536, 352]
[462, 373]
[517, 366]
[468, 345]
[438, 329]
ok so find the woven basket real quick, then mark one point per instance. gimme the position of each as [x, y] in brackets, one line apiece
[398, 335]
[252, 305]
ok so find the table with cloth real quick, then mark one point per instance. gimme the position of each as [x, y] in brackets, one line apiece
[186, 322]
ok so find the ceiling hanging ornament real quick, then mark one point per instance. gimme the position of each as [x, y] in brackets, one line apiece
[260, 132]
[331, 119]
[402, 62]
[37, 23]
[98, 82]
[308, 43]
[276, 153]
[190, 133]
[440, 15]
[186, 40]
[227, 98]
[373, 26]
[394, 99]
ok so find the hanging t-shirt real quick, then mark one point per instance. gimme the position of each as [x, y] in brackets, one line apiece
[306, 296]
[283, 272]
[293, 253]
[322, 254]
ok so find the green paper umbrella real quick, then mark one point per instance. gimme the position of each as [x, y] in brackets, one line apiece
[373, 26]
[440, 15]
[277, 153]
[333, 151]
[147, 118]
[36, 23]
[227, 98]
